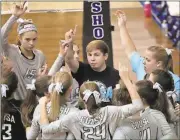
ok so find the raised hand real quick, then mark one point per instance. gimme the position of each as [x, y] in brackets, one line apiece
[18, 10]
[63, 47]
[71, 34]
[177, 109]
[121, 18]
[7, 66]
[123, 72]
[43, 71]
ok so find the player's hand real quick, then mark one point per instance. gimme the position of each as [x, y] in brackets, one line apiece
[71, 34]
[63, 47]
[7, 66]
[43, 70]
[177, 110]
[123, 72]
[121, 18]
[19, 9]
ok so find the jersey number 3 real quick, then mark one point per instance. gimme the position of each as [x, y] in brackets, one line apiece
[7, 129]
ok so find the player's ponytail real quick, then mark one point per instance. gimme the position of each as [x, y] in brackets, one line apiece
[59, 90]
[153, 96]
[89, 92]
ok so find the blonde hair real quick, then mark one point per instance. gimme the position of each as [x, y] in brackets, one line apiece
[160, 54]
[66, 80]
[91, 103]
[98, 44]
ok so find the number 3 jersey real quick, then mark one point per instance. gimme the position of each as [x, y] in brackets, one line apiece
[101, 125]
[13, 129]
[150, 125]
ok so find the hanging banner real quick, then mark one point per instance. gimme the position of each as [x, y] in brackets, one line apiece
[97, 25]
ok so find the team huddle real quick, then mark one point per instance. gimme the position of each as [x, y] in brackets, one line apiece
[77, 100]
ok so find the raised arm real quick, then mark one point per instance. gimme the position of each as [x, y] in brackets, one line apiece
[125, 38]
[60, 59]
[17, 11]
[69, 58]
[6, 29]
[34, 130]
[56, 65]
[137, 105]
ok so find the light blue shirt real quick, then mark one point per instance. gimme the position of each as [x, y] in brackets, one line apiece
[137, 65]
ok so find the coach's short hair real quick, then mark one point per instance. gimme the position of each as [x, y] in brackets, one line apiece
[98, 44]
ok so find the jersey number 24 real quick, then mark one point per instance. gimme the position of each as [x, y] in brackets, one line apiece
[99, 132]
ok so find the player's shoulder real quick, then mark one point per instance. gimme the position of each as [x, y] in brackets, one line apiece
[154, 114]
[112, 70]
[73, 109]
[38, 53]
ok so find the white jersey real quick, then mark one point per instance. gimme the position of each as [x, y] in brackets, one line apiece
[101, 125]
[151, 125]
[35, 126]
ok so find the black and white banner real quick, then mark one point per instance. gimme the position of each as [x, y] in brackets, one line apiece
[97, 25]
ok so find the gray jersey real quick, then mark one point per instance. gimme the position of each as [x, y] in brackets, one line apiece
[101, 125]
[175, 120]
[25, 69]
[151, 125]
[35, 130]
[57, 65]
